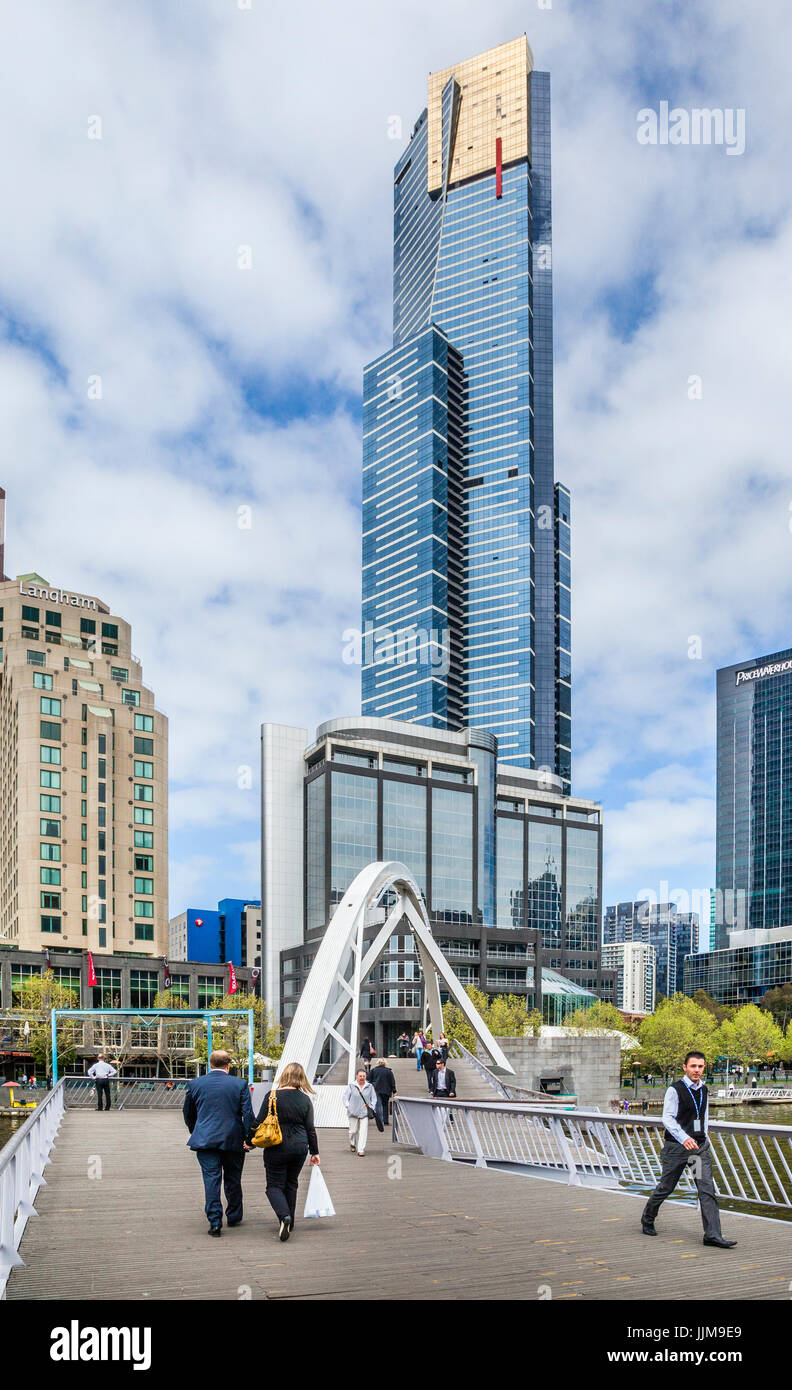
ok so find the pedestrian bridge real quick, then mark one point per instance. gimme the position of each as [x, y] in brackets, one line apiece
[121, 1214]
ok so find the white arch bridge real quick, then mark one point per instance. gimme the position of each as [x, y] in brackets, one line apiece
[329, 1006]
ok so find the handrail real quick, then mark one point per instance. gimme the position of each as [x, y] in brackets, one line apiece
[129, 1092]
[22, 1163]
[752, 1164]
[504, 1088]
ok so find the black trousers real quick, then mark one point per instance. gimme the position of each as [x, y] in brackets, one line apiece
[383, 1100]
[102, 1089]
[222, 1167]
[283, 1180]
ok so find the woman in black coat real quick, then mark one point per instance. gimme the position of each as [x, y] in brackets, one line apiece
[284, 1161]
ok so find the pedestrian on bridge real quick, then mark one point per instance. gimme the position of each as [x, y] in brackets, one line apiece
[219, 1116]
[284, 1161]
[384, 1083]
[360, 1101]
[429, 1062]
[419, 1043]
[100, 1073]
[686, 1122]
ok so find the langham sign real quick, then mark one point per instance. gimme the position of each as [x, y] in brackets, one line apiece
[40, 591]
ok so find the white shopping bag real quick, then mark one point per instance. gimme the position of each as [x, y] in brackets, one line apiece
[317, 1201]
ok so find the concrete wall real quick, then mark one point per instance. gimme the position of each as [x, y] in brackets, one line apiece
[589, 1065]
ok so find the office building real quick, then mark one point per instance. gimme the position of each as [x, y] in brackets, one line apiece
[673, 935]
[751, 935]
[229, 932]
[83, 778]
[635, 967]
[466, 534]
[510, 867]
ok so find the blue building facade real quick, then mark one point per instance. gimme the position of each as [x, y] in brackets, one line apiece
[466, 535]
[229, 932]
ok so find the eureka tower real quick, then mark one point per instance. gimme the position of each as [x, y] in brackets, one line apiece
[466, 555]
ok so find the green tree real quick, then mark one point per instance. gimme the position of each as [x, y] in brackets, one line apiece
[534, 1023]
[601, 1017]
[38, 995]
[232, 1034]
[457, 1026]
[719, 1011]
[169, 1031]
[751, 1035]
[778, 1002]
[677, 1027]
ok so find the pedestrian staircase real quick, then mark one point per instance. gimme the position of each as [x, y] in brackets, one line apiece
[410, 1082]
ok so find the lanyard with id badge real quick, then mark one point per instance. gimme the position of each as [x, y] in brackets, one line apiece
[698, 1104]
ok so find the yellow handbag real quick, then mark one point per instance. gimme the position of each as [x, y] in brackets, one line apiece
[268, 1134]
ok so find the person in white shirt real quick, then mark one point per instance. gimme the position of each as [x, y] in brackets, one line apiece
[100, 1074]
[359, 1098]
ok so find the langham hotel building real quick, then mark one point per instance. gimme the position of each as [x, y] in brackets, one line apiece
[83, 778]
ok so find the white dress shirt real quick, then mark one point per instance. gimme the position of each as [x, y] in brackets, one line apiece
[671, 1110]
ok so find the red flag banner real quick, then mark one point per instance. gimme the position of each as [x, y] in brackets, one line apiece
[167, 975]
[232, 979]
[92, 981]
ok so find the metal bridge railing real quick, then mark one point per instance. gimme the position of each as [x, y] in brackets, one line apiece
[128, 1092]
[503, 1088]
[779, 1093]
[22, 1163]
[752, 1164]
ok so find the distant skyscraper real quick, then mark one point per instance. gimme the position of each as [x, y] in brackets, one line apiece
[466, 539]
[673, 935]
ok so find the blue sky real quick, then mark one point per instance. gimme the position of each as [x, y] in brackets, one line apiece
[261, 136]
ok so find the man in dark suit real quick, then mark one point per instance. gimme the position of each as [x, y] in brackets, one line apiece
[384, 1083]
[219, 1116]
[429, 1062]
[442, 1081]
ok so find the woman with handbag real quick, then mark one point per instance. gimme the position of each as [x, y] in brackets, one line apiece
[287, 1134]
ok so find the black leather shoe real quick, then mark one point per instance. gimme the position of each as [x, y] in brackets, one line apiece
[215, 1230]
[234, 1223]
[719, 1241]
[648, 1228]
[285, 1230]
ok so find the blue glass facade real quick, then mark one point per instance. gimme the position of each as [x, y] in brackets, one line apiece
[754, 796]
[222, 935]
[465, 532]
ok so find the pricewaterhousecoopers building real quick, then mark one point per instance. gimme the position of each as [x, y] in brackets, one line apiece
[466, 600]
[460, 763]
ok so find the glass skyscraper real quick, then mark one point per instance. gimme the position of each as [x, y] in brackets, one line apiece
[466, 534]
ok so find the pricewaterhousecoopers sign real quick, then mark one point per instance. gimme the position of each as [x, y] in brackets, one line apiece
[760, 672]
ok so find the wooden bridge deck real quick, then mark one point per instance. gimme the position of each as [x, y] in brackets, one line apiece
[437, 1230]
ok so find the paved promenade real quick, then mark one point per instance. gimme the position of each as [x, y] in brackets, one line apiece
[431, 1230]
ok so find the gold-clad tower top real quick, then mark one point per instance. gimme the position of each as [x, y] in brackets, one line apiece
[493, 102]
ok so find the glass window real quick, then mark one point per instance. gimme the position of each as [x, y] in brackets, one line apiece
[180, 986]
[144, 909]
[404, 826]
[143, 769]
[49, 827]
[50, 876]
[50, 924]
[42, 680]
[143, 987]
[144, 839]
[145, 722]
[353, 827]
[87, 625]
[110, 630]
[210, 989]
[130, 697]
[49, 803]
[49, 779]
[36, 658]
[582, 885]
[405, 768]
[342, 755]
[48, 730]
[315, 906]
[50, 899]
[509, 871]
[48, 851]
[543, 890]
[119, 673]
[144, 863]
[29, 615]
[49, 755]
[450, 774]
[452, 855]
[144, 885]
[107, 990]
[53, 619]
[144, 745]
[143, 816]
[143, 792]
[50, 706]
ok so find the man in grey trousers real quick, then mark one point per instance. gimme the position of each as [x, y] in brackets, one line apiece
[686, 1119]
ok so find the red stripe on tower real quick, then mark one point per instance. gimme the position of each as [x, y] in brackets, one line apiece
[498, 167]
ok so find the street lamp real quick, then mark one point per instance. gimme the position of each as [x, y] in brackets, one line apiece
[636, 1065]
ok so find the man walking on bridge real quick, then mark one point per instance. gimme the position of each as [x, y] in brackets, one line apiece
[686, 1120]
[219, 1116]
